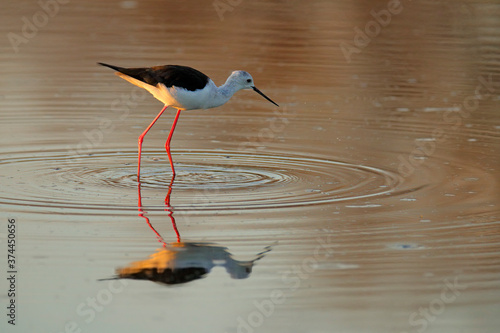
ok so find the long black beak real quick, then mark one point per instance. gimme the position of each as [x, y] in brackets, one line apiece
[260, 93]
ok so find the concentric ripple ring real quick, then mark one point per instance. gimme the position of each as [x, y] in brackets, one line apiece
[206, 180]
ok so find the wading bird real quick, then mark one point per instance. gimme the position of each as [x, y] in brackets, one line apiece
[183, 88]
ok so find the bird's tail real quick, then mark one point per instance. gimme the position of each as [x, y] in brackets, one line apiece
[116, 68]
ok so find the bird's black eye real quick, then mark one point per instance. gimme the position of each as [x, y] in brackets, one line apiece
[249, 80]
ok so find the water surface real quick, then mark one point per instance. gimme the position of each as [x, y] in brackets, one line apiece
[367, 202]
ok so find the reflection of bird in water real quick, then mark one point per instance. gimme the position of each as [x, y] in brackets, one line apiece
[183, 262]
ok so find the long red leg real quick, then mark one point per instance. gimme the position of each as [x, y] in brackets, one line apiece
[141, 138]
[167, 144]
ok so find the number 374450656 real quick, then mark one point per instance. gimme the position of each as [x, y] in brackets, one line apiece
[11, 243]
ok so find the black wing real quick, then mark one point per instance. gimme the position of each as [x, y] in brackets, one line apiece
[169, 75]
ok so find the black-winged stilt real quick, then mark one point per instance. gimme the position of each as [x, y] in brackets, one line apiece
[183, 88]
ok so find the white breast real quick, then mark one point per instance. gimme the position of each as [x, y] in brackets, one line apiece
[184, 99]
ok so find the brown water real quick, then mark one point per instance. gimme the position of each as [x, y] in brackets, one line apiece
[367, 202]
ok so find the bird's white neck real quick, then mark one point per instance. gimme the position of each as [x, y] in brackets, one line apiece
[223, 93]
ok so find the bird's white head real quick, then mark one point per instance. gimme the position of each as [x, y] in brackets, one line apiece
[243, 80]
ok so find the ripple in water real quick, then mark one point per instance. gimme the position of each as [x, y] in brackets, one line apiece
[206, 180]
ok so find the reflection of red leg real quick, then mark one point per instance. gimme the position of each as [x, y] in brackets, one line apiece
[174, 225]
[141, 138]
[167, 144]
[141, 214]
[168, 209]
